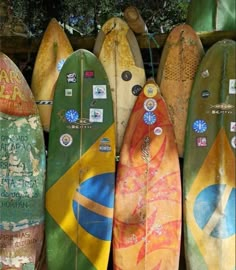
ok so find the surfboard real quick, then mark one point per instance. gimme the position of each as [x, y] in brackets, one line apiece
[54, 48]
[81, 167]
[211, 15]
[179, 61]
[147, 213]
[117, 48]
[22, 171]
[209, 162]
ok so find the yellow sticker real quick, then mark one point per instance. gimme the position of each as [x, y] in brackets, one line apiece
[150, 90]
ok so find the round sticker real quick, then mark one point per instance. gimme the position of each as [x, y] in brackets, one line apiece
[200, 126]
[150, 104]
[126, 75]
[233, 142]
[149, 118]
[205, 73]
[60, 64]
[205, 93]
[66, 140]
[72, 115]
[150, 90]
[136, 89]
[158, 131]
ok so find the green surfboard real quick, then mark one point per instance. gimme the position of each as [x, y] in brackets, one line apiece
[81, 167]
[209, 162]
[22, 172]
[211, 15]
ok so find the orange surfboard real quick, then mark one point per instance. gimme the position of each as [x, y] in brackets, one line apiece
[180, 58]
[54, 48]
[147, 213]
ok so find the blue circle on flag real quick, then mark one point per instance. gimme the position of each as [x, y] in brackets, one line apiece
[149, 118]
[200, 126]
[205, 209]
[99, 190]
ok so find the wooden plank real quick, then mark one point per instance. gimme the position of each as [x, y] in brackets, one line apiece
[15, 44]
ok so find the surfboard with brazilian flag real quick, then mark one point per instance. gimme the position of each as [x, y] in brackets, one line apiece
[81, 167]
[209, 162]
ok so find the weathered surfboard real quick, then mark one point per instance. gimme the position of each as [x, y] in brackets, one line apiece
[211, 15]
[54, 48]
[147, 213]
[117, 48]
[209, 162]
[180, 59]
[22, 172]
[81, 167]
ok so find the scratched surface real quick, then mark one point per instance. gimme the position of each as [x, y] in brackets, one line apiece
[22, 172]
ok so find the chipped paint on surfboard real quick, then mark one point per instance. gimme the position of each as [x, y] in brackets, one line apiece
[22, 171]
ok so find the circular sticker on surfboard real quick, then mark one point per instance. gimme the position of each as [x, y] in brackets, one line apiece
[150, 90]
[149, 118]
[205, 73]
[233, 142]
[199, 126]
[66, 140]
[72, 115]
[150, 104]
[136, 89]
[126, 75]
[158, 131]
[205, 93]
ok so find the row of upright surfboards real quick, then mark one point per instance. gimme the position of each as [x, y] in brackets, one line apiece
[94, 106]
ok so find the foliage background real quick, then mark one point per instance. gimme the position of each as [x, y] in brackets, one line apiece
[87, 16]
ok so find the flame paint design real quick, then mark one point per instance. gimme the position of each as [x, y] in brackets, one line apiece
[147, 223]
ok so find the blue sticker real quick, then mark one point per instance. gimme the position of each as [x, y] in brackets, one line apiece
[60, 64]
[149, 118]
[72, 115]
[200, 126]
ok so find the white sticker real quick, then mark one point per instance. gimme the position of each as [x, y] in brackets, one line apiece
[158, 131]
[233, 142]
[68, 92]
[233, 126]
[99, 91]
[232, 86]
[96, 115]
[150, 104]
[205, 73]
[66, 140]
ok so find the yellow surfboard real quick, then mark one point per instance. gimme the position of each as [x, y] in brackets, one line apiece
[54, 48]
[117, 48]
